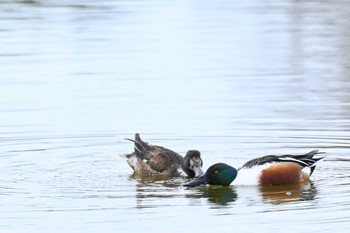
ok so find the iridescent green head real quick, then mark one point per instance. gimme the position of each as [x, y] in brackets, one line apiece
[217, 174]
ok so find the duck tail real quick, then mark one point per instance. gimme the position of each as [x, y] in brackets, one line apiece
[312, 153]
[139, 145]
[309, 160]
[313, 160]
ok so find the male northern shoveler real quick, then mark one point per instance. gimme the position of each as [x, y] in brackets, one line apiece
[151, 160]
[275, 170]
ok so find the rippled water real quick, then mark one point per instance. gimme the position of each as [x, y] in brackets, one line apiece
[234, 79]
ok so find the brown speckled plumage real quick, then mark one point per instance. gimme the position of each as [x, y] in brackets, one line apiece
[151, 160]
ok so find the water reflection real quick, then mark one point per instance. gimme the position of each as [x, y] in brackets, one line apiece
[151, 191]
[288, 193]
[218, 195]
[158, 180]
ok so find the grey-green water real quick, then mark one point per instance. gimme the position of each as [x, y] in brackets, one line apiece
[234, 79]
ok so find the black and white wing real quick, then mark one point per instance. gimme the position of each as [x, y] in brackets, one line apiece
[304, 160]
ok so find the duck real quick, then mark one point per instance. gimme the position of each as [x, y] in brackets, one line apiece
[151, 160]
[272, 170]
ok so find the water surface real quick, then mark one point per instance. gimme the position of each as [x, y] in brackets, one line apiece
[235, 80]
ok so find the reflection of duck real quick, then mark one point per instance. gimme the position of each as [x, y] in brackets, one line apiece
[288, 193]
[273, 170]
[216, 194]
[151, 160]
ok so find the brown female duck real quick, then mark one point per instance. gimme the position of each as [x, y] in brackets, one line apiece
[151, 160]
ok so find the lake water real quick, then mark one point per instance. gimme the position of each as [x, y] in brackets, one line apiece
[233, 79]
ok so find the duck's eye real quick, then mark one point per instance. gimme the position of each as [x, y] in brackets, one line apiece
[216, 171]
